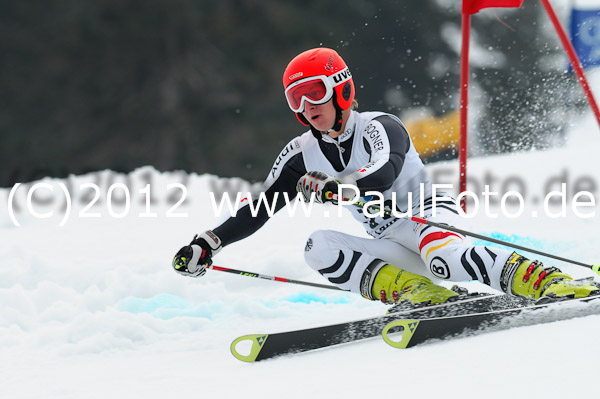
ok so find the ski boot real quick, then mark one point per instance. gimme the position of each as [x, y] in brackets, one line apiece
[393, 285]
[530, 279]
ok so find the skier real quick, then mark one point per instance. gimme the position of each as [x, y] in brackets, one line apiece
[374, 152]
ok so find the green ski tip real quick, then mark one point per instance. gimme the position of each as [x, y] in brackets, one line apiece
[256, 341]
[596, 268]
[407, 327]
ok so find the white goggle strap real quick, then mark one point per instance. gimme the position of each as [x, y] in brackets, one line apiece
[340, 77]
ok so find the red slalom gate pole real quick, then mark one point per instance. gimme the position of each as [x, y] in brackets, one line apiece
[464, 105]
[272, 278]
[575, 63]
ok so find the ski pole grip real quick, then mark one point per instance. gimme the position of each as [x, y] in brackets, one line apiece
[331, 195]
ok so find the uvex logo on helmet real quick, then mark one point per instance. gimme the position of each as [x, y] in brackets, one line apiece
[342, 76]
[296, 75]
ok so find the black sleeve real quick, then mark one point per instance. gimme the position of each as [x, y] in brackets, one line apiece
[399, 144]
[245, 224]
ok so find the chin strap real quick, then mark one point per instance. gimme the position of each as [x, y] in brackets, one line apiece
[337, 125]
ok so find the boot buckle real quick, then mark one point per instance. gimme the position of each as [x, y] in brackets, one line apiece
[383, 296]
[536, 285]
[530, 270]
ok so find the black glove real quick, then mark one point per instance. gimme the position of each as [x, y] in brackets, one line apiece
[320, 183]
[193, 259]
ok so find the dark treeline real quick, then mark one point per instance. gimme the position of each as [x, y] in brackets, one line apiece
[196, 84]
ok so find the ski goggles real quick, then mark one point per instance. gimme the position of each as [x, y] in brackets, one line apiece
[314, 89]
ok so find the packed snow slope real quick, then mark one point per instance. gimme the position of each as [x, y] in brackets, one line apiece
[92, 308]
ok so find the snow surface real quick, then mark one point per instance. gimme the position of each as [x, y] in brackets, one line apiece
[93, 309]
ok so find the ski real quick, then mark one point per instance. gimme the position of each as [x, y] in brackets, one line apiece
[265, 346]
[410, 332]
[475, 312]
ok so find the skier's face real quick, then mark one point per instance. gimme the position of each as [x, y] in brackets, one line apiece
[321, 116]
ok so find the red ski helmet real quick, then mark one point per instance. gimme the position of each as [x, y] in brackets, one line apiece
[316, 76]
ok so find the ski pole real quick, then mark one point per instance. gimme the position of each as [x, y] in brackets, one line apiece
[361, 204]
[272, 278]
